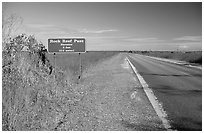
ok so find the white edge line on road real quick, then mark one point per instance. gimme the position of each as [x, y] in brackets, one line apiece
[152, 98]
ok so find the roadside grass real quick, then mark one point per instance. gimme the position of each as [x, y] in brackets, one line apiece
[190, 56]
[35, 95]
[70, 62]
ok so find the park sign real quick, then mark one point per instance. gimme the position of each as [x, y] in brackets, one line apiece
[66, 45]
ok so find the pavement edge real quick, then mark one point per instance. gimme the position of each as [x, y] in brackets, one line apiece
[152, 98]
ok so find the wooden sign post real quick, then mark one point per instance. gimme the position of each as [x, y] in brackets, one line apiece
[67, 46]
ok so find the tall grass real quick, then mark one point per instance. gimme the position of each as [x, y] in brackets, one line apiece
[70, 62]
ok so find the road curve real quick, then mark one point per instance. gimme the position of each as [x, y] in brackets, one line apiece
[178, 88]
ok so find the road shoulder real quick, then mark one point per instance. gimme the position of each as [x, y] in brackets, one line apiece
[115, 99]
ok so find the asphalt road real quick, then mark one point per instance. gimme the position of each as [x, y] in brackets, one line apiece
[178, 88]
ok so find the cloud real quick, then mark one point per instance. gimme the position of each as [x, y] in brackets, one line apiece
[97, 31]
[151, 39]
[49, 29]
[39, 25]
[54, 32]
[189, 38]
[183, 46]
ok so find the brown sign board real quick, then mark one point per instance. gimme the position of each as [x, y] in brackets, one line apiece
[66, 45]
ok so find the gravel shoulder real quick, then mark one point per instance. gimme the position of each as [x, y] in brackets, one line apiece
[111, 98]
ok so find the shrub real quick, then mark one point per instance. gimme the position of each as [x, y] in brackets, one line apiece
[198, 60]
[27, 81]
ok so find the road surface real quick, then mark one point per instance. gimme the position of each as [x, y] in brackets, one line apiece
[178, 88]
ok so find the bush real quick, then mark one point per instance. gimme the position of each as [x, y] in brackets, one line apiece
[198, 60]
[29, 88]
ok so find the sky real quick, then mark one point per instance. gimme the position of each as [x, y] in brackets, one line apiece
[114, 26]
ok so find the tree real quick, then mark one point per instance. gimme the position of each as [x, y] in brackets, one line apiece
[9, 26]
